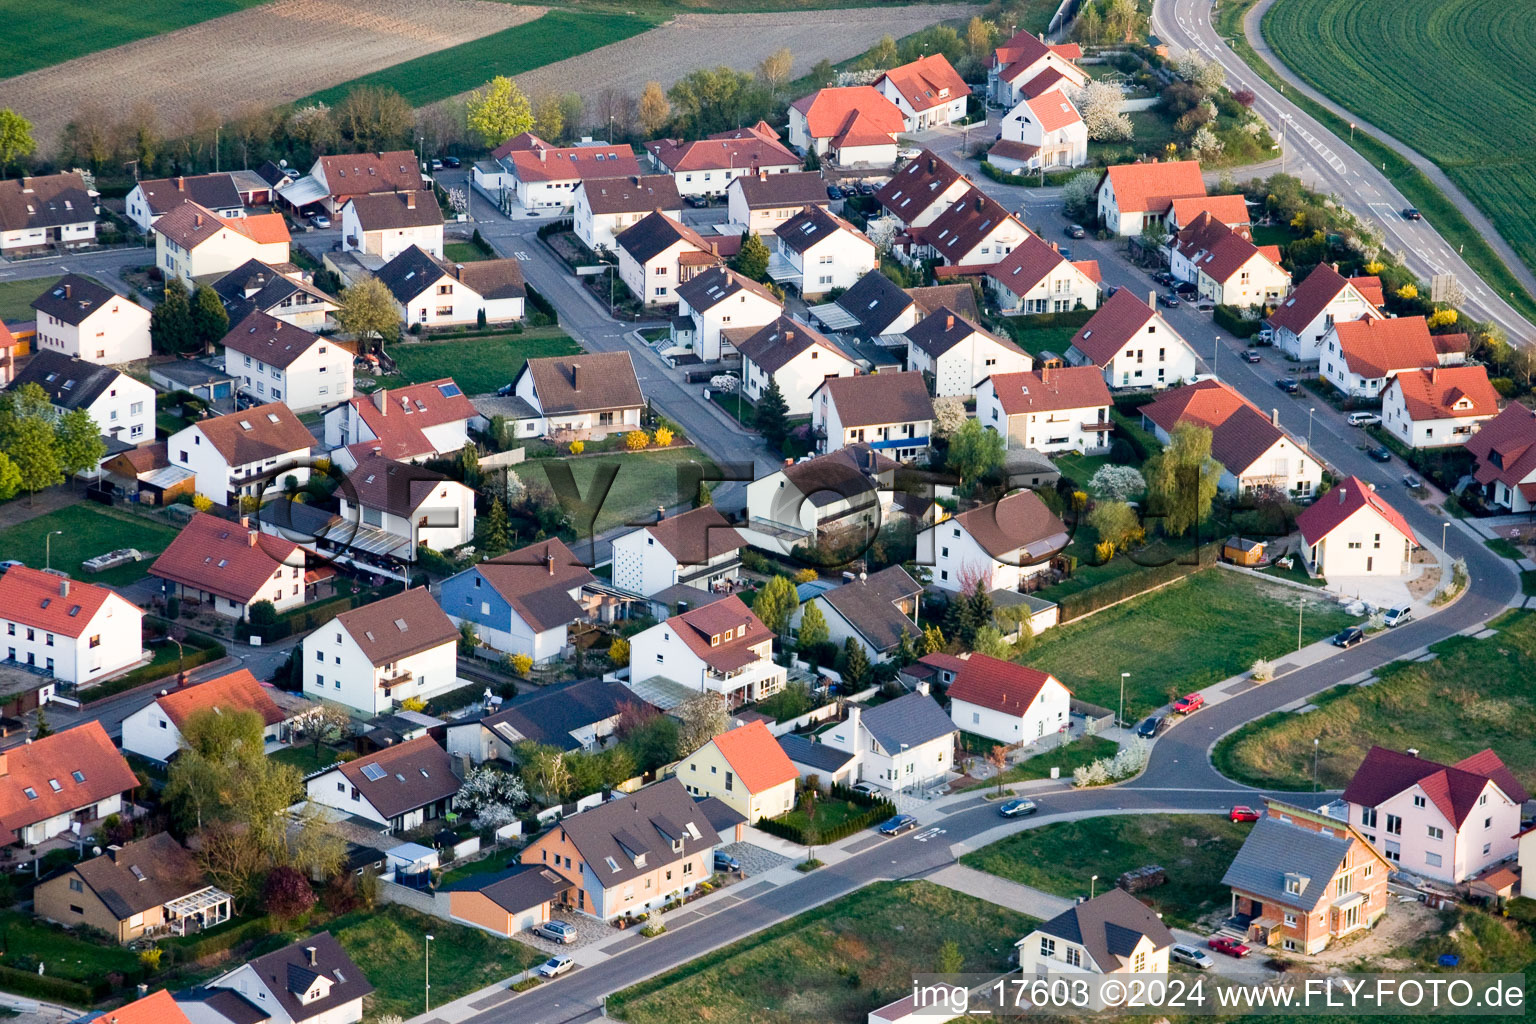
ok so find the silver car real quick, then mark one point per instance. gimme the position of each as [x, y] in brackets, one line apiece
[1191, 956]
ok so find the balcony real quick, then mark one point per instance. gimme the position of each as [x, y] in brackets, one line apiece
[709, 569]
[750, 684]
[399, 679]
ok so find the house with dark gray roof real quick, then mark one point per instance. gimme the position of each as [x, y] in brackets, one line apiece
[1114, 933]
[874, 305]
[311, 980]
[78, 316]
[906, 745]
[285, 292]
[398, 788]
[658, 252]
[761, 202]
[504, 902]
[794, 355]
[873, 611]
[122, 407]
[829, 764]
[152, 198]
[434, 292]
[579, 715]
[37, 211]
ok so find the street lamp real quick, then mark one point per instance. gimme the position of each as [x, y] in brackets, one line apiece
[1123, 677]
[1215, 351]
[1443, 528]
[428, 945]
[1309, 428]
[1316, 742]
[48, 547]
[1092, 883]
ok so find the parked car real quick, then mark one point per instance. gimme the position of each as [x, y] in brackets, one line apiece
[1363, 419]
[833, 192]
[1347, 637]
[554, 966]
[1150, 728]
[910, 153]
[1381, 453]
[867, 788]
[1018, 808]
[1412, 482]
[504, 391]
[1288, 385]
[1399, 615]
[898, 825]
[697, 202]
[557, 931]
[1168, 299]
[320, 220]
[1242, 813]
[1064, 252]
[452, 161]
[1189, 704]
[1163, 278]
[1266, 336]
[866, 189]
[1191, 956]
[1231, 947]
[1110, 289]
[1412, 213]
[725, 862]
[437, 165]
[1075, 231]
[1252, 355]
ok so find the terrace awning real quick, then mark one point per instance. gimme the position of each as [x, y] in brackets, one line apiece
[834, 317]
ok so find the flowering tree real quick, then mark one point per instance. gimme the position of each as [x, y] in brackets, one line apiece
[1117, 483]
[1099, 105]
[458, 199]
[491, 796]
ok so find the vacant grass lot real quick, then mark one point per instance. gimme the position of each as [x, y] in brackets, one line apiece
[831, 964]
[643, 481]
[88, 530]
[16, 298]
[1476, 694]
[479, 364]
[39, 33]
[1187, 635]
[1195, 850]
[464, 252]
[65, 956]
[1073, 756]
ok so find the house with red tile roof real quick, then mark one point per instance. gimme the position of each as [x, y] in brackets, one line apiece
[1026, 66]
[1359, 357]
[273, 359]
[706, 167]
[998, 546]
[1352, 531]
[155, 1008]
[1438, 407]
[545, 177]
[1448, 822]
[230, 566]
[1324, 298]
[340, 177]
[925, 187]
[1229, 210]
[928, 92]
[1132, 345]
[1052, 409]
[1035, 278]
[716, 648]
[75, 631]
[851, 126]
[1255, 454]
[745, 769]
[154, 731]
[409, 424]
[244, 454]
[1225, 266]
[193, 242]
[1010, 703]
[1041, 131]
[976, 231]
[1133, 195]
[1370, 286]
[49, 784]
[1505, 454]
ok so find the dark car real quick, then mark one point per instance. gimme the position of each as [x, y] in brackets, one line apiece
[898, 825]
[1381, 453]
[1075, 231]
[833, 192]
[1288, 385]
[1017, 808]
[866, 189]
[1164, 278]
[1168, 299]
[504, 391]
[725, 862]
[1150, 728]
[697, 201]
[1110, 289]
[1412, 214]
[1347, 637]
[451, 161]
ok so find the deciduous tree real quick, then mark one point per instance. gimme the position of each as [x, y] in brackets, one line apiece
[374, 118]
[368, 311]
[618, 652]
[1117, 523]
[498, 111]
[1079, 194]
[974, 451]
[30, 444]
[775, 603]
[700, 720]
[286, 893]
[1182, 478]
[10, 478]
[813, 627]
[1117, 483]
[948, 415]
[548, 117]
[775, 68]
[15, 138]
[78, 443]
[654, 109]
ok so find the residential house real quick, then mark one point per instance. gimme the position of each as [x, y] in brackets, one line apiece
[230, 567]
[408, 424]
[975, 231]
[761, 202]
[629, 856]
[432, 292]
[958, 353]
[1226, 267]
[79, 317]
[383, 653]
[1450, 349]
[312, 981]
[580, 715]
[122, 408]
[927, 91]
[594, 394]
[695, 549]
[1351, 531]
[998, 546]
[1132, 345]
[399, 788]
[193, 242]
[604, 207]
[544, 178]
[1306, 316]
[1010, 703]
[720, 299]
[1035, 278]
[817, 251]
[278, 362]
[242, 454]
[1043, 132]
[1230, 210]
[1303, 879]
[506, 902]
[891, 412]
[37, 211]
[936, 669]
[10, 348]
[75, 632]
[1255, 454]
[1130, 196]
[874, 611]
[155, 730]
[286, 293]
[521, 602]
[795, 356]
[1438, 407]
[61, 783]
[830, 766]
[1504, 454]
[1026, 66]
[1447, 822]
[333, 181]
[1359, 356]
[706, 167]
[745, 769]
[849, 491]
[905, 745]
[658, 253]
[924, 188]
[874, 306]
[419, 507]
[1053, 409]
[1114, 933]
[137, 890]
[850, 126]
[720, 647]
[153, 198]
[156, 1008]
[387, 224]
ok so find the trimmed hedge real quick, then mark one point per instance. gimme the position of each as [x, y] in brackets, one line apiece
[152, 673]
[543, 314]
[876, 810]
[58, 990]
[1112, 591]
[1231, 319]
[196, 947]
[455, 699]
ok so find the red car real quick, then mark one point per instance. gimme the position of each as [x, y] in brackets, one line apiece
[1231, 947]
[1241, 813]
[1189, 703]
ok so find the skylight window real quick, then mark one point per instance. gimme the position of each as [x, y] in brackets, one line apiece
[31, 793]
[54, 785]
[77, 776]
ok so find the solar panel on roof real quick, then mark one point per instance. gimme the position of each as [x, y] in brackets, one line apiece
[449, 390]
[373, 773]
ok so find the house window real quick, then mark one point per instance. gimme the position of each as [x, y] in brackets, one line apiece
[1418, 801]
[1074, 956]
[1435, 832]
[1432, 859]
[1368, 871]
[1140, 963]
[1047, 946]
[75, 885]
[1394, 825]
[1293, 886]
[1290, 920]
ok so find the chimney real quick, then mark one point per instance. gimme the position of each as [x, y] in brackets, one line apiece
[381, 400]
[1343, 493]
[634, 179]
[1413, 751]
[312, 954]
[197, 219]
[853, 724]
[549, 563]
[981, 202]
[762, 175]
[458, 271]
[5, 768]
[789, 336]
[933, 164]
[949, 322]
[1055, 247]
[181, 184]
[410, 200]
[661, 513]
[575, 376]
[1274, 417]
[63, 588]
[542, 158]
[245, 522]
[113, 851]
[68, 289]
[1434, 374]
[1152, 299]
[252, 535]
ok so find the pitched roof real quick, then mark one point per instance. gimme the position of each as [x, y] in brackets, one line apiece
[515, 889]
[911, 720]
[1275, 848]
[543, 162]
[875, 398]
[550, 714]
[220, 557]
[1215, 249]
[215, 191]
[190, 225]
[69, 381]
[255, 434]
[654, 234]
[400, 779]
[1453, 788]
[359, 174]
[412, 272]
[155, 1008]
[840, 475]
[623, 839]
[49, 200]
[392, 211]
[917, 185]
[1240, 433]
[709, 289]
[1310, 299]
[1021, 520]
[1370, 287]
[141, 875]
[398, 488]
[72, 298]
[743, 148]
[943, 329]
[1030, 262]
[1000, 685]
[764, 191]
[288, 973]
[1347, 497]
[858, 114]
[1044, 82]
[399, 626]
[237, 691]
[1377, 347]
[269, 339]
[806, 751]
[756, 757]
[967, 222]
[696, 536]
[536, 581]
[1451, 344]
[1118, 319]
[871, 606]
[1152, 187]
[494, 279]
[875, 301]
[1109, 927]
[398, 417]
[1446, 392]
[959, 297]
[722, 634]
[632, 194]
[45, 601]
[815, 224]
[60, 773]
[773, 345]
[1053, 110]
[1023, 47]
[1505, 447]
[1229, 210]
[1049, 390]
[256, 285]
[928, 82]
[590, 382]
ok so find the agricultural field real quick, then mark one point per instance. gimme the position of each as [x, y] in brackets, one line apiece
[1413, 68]
[39, 33]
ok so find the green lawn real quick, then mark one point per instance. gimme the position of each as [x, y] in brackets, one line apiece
[830, 813]
[64, 955]
[1073, 756]
[40, 33]
[643, 481]
[1297, 573]
[1181, 638]
[1273, 234]
[16, 296]
[1195, 850]
[465, 252]
[1476, 694]
[830, 964]
[1080, 467]
[735, 406]
[88, 530]
[478, 364]
[304, 758]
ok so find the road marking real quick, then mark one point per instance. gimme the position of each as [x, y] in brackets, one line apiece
[522, 255]
[933, 833]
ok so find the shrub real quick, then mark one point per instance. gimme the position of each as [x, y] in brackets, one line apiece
[1232, 320]
[202, 502]
[1262, 671]
[577, 447]
[806, 576]
[520, 664]
[635, 440]
[287, 894]
[1103, 551]
[663, 436]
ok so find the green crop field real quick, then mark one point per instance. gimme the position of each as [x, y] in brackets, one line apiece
[1417, 69]
[41, 33]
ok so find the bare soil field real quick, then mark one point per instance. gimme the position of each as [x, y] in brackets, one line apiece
[266, 55]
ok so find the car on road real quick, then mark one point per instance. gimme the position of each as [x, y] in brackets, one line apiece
[725, 862]
[1363, 419]
[1242, 813]
[1412, 482]
[1288, 385]
[1347, 637]
[1381, 453]
[1412, 213]
[1231, 947]
[697, 202]
[437, 165]
[554, 966]
[557, 931]
[1252, 356]
[1075, 231]
[1189, 704]
[320, 220]
[1150, 728]
[1168, 299]
[1164, 278]
[1399, 615]
[1191, 956]
[1018, 808]
[452, 161]
[898, 825]
[833, 192]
